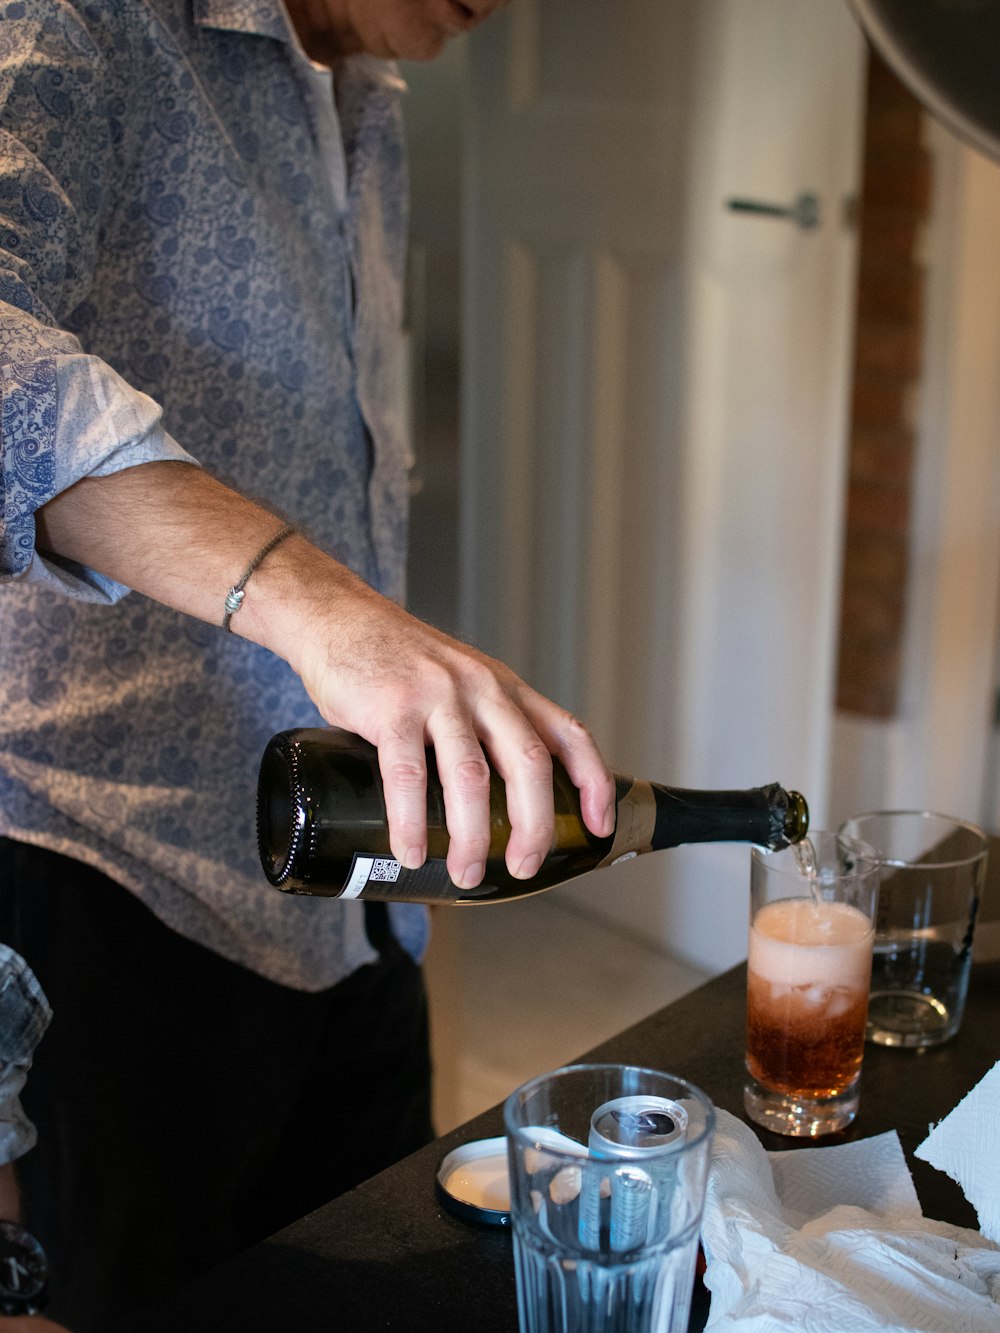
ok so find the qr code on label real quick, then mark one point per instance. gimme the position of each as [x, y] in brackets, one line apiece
[387, 871]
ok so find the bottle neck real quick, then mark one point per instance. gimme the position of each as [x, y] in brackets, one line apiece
[756, 815]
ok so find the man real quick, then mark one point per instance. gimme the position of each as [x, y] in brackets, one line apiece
[202, 222]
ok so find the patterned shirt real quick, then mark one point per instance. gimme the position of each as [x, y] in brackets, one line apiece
[202, 240]
[24, 1016]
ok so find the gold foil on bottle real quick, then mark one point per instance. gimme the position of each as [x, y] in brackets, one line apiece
[635, 825]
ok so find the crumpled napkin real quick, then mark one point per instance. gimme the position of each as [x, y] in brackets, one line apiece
[832, 1240]
[966, 1146]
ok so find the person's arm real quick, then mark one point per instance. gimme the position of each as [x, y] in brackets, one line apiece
[172, 532]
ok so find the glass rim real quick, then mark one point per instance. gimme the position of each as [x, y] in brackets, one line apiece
[867, 854]
[898, 863]
[519, 1132]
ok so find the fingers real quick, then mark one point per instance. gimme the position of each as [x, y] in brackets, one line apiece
[519, 730]
[518, 737]
[403, 764]
[522, 759]
[465, 779]
[461, 742]
[519, 756]
[566, 737]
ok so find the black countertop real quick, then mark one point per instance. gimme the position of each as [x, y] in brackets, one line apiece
[387, 1256]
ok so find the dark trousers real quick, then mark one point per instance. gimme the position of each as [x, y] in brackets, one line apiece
[185, 1106]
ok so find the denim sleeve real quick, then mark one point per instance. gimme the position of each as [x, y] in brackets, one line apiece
[24, 1016]
[64, 415]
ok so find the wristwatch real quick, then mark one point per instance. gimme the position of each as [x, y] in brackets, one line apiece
[24, 1271]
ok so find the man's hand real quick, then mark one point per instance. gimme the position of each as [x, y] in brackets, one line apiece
[373, 669]
[172, 532]
[377, 671]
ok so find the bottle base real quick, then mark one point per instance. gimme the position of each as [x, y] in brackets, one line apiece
[799, 1117]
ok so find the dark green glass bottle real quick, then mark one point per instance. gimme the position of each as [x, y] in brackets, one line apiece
[321, 825]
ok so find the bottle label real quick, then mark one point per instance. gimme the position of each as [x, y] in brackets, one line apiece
[381, 877]
[380, 869]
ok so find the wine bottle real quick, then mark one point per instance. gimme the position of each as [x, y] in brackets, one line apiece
[322, 829]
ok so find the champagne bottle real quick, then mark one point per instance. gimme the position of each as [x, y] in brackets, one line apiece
[322, 829]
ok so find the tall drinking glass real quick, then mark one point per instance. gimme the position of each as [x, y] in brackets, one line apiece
[934, 868]
[608, 1165]
[812, 913]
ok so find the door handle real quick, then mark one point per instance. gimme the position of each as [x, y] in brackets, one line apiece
[804, 211]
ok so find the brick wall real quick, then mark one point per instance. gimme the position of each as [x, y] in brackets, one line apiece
[894, 207]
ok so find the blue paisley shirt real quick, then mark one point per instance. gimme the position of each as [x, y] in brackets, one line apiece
[202, 242]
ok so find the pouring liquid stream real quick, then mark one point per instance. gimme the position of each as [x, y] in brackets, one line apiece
[805, 856]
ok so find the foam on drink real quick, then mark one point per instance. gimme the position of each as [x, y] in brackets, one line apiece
[799, 942]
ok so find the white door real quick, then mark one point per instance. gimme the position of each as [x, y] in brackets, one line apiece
[656, 391]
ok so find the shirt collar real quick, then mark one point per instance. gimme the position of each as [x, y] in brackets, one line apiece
[269, 18]
[261, 18]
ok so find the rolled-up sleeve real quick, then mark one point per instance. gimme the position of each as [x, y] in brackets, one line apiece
[24, 1016]
[64, 415]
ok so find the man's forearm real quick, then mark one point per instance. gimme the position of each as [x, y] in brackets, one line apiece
[166, 529]
[176, 534]
[170, 531]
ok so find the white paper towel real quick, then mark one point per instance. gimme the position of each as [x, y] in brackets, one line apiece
[966, 1146]
[832, 1240]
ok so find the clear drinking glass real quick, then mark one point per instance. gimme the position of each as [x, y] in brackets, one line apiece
[933, 870]
[608, 1165]
[812, 913]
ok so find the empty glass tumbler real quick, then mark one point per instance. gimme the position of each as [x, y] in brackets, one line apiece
[933, 870]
